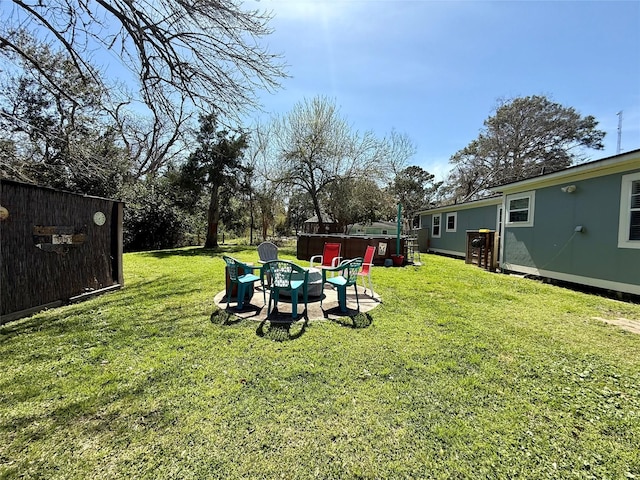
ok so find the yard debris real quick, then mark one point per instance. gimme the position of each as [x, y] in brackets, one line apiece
[632, 326]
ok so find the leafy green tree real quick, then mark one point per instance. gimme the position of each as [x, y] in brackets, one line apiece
[152, 219]
[214, 167]
[299, 209]
[525, 137]
[358, 200]
[414, 188]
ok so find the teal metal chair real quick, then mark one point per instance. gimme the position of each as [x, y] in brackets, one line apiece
[286, 275]
[241, 275]
[348, 270]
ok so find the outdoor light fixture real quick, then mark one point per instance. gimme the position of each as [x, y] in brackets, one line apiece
[569, 189]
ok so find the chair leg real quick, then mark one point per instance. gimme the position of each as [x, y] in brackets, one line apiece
[228, 294]
[342, 298]
[364, 285]
[294, 303]
[355, 286]
[270, 298]
[305, 296]
[276, 299]
[240, 302]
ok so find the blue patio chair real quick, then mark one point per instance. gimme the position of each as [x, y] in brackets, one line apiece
[349, 270]
[241, 275]
[286, 275]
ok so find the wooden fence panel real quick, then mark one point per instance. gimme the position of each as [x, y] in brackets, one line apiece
[55, 246]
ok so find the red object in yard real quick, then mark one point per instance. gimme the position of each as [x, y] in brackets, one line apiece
[330, 257]
[398, 260]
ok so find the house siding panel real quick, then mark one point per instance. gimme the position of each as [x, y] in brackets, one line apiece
[467, 219]
[553, 245]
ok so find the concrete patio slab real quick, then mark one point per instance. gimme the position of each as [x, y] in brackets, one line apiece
[255, 309]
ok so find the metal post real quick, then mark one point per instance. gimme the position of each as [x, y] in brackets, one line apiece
[399, 229]
[619, 131]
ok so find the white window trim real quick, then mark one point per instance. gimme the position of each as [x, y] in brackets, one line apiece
[433, 217]
[532, 203]
[625, 212]
[455, 222]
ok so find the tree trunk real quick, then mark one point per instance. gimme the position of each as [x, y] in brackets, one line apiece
[251, 221]
[213, 219]
[316, 207]
[265, 227]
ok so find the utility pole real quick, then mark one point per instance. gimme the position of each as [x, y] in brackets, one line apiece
[619, 131]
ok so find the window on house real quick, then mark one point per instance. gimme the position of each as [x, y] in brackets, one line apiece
[634, 220]
[629, 225]
[520, 210]
[435, 226]
[452, 220]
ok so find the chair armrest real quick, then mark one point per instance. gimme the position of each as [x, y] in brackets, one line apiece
[248, 267]
[337, 268]
[336, 261]
[314, 258]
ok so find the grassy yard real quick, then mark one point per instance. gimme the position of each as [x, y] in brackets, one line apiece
[461, 374]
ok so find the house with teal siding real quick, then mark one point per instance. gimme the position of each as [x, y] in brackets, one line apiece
[444, 230]
[579, 225]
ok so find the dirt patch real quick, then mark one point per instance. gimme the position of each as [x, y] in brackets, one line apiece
[624, 323]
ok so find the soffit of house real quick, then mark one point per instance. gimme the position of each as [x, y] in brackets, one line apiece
[598, 168]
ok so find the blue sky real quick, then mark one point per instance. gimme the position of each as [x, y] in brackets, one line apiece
[435, 69]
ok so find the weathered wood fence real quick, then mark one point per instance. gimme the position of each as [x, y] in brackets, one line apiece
[55, 247]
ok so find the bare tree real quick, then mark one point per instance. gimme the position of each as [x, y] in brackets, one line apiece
[315, 147]
[152, 142]
[206, 53]
[265, 195]
[400, 149]
[65, 141]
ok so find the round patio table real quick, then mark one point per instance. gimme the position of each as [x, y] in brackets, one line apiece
[314, 285]
[315, 282]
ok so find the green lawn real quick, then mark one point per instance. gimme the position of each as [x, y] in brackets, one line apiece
[461, 374]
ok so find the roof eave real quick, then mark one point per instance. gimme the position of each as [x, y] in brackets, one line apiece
[606, 166]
